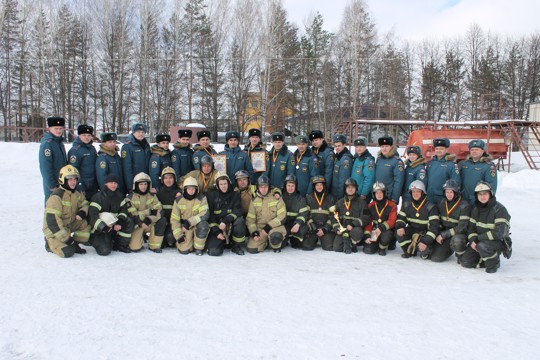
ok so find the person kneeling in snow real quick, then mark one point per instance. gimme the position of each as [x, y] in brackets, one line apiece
[145, 211]
[265, 217]
[65, 213]
[109, 219]
[350, 217]
[189, 219]
[297, 213]
[489, 230]
[418, 223]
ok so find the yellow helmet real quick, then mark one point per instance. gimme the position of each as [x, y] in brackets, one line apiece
[141, 177]
[190, 181]
[168, 170]
[68, 172]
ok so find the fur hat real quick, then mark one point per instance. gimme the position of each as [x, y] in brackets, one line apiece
[163, 137]
[386, 140]
[56, 121]
[316, 134]
[254, 132]
[85, 129]
[441, 142]
[203, 133]
[184, 133]
[108, 136]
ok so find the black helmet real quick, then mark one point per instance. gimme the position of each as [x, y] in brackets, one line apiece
[451, 185]
[351, 181]
[263, 180]
[207, 160]
[290, 178]
[318, 179]
[241, 174]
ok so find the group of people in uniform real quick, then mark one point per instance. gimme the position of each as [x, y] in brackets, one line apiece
[118, 199]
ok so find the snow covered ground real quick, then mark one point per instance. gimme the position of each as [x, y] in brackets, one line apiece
[292, 305]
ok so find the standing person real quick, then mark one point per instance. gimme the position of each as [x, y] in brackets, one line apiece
[135, 155]
[109, 219]
[440, 168]
[52, 154]
[246, 190]
[205, 177]
[160, 158]
[320, 224]
[108, 162]
[189, 219]
[255, 145]
[363, 169]
[477, 167]
[236, 158]
[384, 216]
[305, 165]
[417, 225]
[455, 213]
[226, 222]
[83, 155]
[145, 211]
[350, 217]
[297, 213]
[167, 193]
[324, 156]
[203, 148]
[415, 169]
[265, 219]
[182, 154]
[281, 162]
[65, 214]
[489, 230]
[343, 161]
[389, 168]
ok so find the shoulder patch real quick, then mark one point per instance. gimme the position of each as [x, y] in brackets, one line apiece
[331, 156]
[400, 165]
[293, 162]
[102, 165]
[72, 159]
[195, 159]
[47, 152]
[173, 158]
[154, 164]
[456, 167]
[371, 166]
[346, 164]
[422, 175]
[124, 154]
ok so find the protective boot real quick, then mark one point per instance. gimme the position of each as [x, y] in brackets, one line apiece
[237, 249]
[47, 248]
[347, 245]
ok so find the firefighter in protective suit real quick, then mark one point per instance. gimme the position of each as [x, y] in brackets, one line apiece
[145, 211]
[65, 213]
[205, 177]
[246, 190]
[107, 204]
[166, 195]
[226, 221]
[455, 213]
[297, 212]
[489, 230]
[189, 219]
[418, 223]
[319, 223]
[383, 216]
[351, 215]
[265, 218]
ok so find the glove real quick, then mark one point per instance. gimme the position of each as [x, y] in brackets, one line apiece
[445, 234]
[267, 228]
[255, 233]
[81, 214]
[313, 226]
[153, 212]
[147, 221]
[181, 239]
[228, 219]
[186, 224]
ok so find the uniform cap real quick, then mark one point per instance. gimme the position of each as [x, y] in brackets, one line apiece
[277, 136]
[163, 137]
[185, 133]
[441, 142]
[56, 121]
[232, 135]
[203, 133]
[302, 139]
[112, 178]
[386, 140]
[316, 134]
[360, 141]
[254, 132]
[138, 127]
[414, 149]
[477, 144]
[340, 138]
[85, 129]
[108, 136]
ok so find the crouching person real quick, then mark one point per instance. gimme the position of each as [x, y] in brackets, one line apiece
[65, 214]
[417, 225]
[350, 216]
[297, 213]
[320, 224]
[455, 213]
[226, 221]
[488, 231]
[383, 216]
[264, 220]
[145, 211]
[114, 234]
[167, 193]
[189, 219]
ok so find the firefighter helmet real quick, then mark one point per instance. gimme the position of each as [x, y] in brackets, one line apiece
[190, 181]
[141, 177]
[68, 172]
[483, 186]
[417, 185]
[168, 171]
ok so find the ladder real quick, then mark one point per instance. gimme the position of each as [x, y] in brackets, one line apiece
[530, 148]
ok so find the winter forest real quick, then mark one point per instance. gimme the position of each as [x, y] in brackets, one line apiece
[111, 62]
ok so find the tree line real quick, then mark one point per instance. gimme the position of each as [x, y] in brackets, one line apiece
[109, 63]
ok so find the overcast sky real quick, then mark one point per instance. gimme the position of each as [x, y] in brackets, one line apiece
[434, 19]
